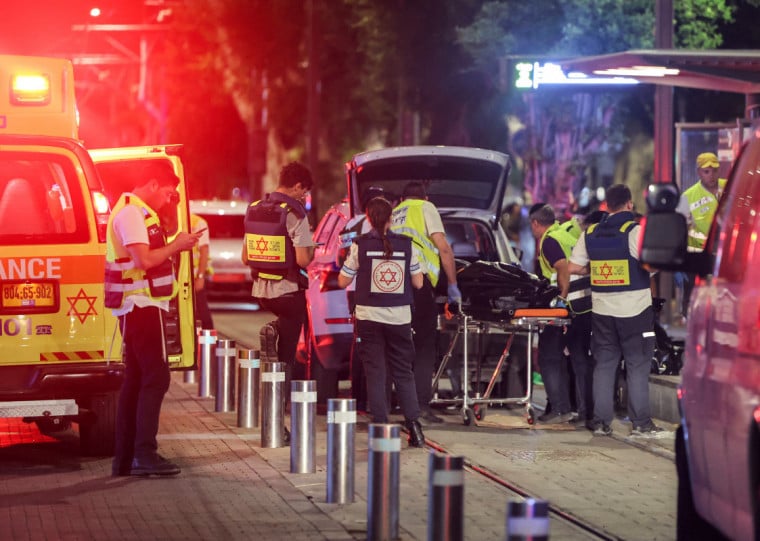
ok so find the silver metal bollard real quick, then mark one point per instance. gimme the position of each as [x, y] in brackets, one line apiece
[528, 520]
[249, 365]
[445, 498]
[206, 366]
[383, 482]
[272, 404]
[225, 375]
[341, 435]
[303, 426]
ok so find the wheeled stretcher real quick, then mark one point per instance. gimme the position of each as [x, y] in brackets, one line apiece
[527, 322]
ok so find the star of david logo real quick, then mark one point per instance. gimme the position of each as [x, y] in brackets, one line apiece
[388, 277]
[605, 270]
[261, 245]
[76, 302]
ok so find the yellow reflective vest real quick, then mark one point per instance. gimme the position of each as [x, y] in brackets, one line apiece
[702, 206]
[408, 219]
[122, 277]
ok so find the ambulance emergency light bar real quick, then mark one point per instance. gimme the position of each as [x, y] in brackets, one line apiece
[30, 89]
[531, 75]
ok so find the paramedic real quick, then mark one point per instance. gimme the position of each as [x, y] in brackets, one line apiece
[139, 283]
[554, 247]
[386, 268]
[277, 248]
[418, 218]
[622, 318]
[698, 204]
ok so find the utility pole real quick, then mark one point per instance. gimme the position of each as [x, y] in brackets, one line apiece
[663, 129]
[313, 95]
[663, 98]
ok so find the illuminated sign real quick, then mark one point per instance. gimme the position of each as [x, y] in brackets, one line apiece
[531, 75]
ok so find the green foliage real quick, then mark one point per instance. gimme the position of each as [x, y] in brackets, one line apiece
[563, 134]
[593, 27]
[696, 22]
[377, 62]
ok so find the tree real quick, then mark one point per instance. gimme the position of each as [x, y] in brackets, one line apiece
[566, 133]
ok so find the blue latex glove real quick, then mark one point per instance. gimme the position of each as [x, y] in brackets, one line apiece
[455, 296]
[680, 279]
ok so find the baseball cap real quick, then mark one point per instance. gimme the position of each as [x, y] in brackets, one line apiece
[707, 159]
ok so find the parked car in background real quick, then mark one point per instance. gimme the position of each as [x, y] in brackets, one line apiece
[718, 440]
[230, 276]
[467, 186]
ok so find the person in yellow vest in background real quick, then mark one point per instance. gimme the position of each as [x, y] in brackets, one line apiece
[201, 269]
[416, 217]
[698, 204]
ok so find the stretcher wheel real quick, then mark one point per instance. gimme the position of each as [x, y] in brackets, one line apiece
[480, 411]
[467, 416]
[531, 417]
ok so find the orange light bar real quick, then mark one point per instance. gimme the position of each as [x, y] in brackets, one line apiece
[30, 89]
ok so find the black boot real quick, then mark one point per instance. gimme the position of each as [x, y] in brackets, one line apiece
[416, 437]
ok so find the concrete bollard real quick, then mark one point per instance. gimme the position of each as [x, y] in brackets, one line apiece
[383, 482]
[341, 435]
[249, 365]
[528, 520]
[206, 347]
[272, 394]
[445, 498]
[225, 375]
[303, 426]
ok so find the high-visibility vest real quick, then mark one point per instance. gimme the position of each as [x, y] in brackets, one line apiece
[566, 241]
[122, 277]
[579, 287]
[408, 219]
[702, 206]
[573, 227]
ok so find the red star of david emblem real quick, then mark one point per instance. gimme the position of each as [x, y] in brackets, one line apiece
[74, 303]
[261, 245]
[388, 277]
[605, 270]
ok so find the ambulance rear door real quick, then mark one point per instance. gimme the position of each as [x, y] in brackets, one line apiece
[116, 167]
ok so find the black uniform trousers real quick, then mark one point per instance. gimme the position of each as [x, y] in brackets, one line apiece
[424, 323]
[146, 381]
[381, 346]
[290, 310]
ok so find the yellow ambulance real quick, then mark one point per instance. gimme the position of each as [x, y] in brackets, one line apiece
[60, 348]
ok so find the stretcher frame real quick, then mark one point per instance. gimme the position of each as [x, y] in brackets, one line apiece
[528, 322]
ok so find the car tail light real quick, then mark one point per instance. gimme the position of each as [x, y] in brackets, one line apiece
[102, 210]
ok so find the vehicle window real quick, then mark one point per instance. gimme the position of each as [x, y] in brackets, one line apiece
[734, 238]
[470, 241]
[449, 182]
[41, 201]
[325, 228]
[225, 226]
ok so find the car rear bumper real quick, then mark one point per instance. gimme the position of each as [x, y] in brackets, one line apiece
[59, 380]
